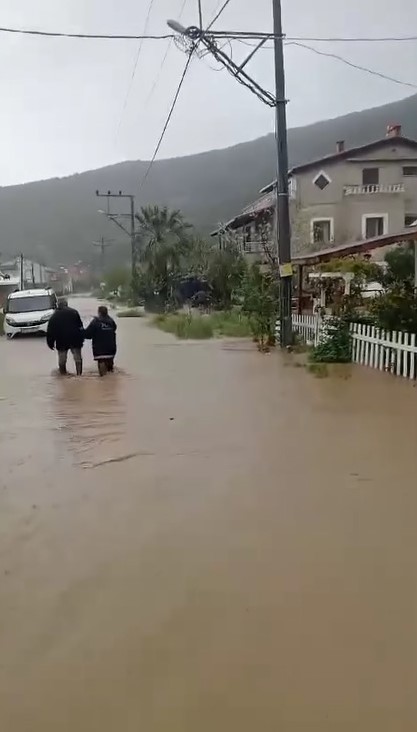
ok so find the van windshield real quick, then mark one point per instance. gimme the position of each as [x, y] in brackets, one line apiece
[29, 304]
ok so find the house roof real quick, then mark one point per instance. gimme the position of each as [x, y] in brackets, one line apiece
[356, 247]
[264, 203]
[384, 142]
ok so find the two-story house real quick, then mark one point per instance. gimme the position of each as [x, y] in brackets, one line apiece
[352, 194]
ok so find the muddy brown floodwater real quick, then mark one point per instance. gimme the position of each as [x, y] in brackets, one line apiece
[210, 540]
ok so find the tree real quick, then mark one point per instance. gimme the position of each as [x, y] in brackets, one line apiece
[400, 269]
[260, 302]
[226, 270]
[163, 241]
[117, 279]
[197, 257]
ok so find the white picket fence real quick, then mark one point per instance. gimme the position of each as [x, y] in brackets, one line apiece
[394, 352]
[308, 327]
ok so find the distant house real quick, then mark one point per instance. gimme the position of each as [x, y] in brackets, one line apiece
[34, 274]
[352, 194]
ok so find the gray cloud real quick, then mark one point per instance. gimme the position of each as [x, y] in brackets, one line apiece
[62, 100]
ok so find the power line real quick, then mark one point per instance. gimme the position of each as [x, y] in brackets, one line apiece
[169, 46]
[343, 60]
[355, 39]
[177, 93]
[218, 14]
[87, 36]
[228, 34]
[135, 65]
[167, 121]
[258, 35]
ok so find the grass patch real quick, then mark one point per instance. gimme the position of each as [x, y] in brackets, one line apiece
[223, 324]
[185, 326]
[231, 324]
[131, 313]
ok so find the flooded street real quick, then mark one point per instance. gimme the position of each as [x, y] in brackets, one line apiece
[209, 540]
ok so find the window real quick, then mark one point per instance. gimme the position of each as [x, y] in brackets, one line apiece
[410, 219]
[247, 238]
[322, 231]
[29, 304]
[374, 225]
[370, 176]
[321, 181]
[410, 171]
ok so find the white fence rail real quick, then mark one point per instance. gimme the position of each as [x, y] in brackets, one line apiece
[395, 352]
[308, 327]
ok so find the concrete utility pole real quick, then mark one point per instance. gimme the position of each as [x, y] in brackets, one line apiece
[22, 273]
[283, 227]
[277, 102]
[132, 232]
[103, 244]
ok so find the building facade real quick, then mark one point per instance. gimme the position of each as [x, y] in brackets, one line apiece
[349, 195]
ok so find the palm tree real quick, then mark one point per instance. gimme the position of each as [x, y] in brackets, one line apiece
[163, 241]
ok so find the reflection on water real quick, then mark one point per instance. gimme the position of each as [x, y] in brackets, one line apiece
[213, 540]
[90, 415]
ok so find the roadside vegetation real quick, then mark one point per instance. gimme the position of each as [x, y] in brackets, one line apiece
[231, 324]
[130, 313]
[197, 290]
[394, 309]
[193, 288]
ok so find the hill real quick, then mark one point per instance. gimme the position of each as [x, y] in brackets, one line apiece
[57, 219]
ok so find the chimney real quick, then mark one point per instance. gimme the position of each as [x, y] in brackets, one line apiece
[394, 130]
[340, 146]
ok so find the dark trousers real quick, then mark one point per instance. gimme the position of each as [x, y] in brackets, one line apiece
[105, 365]
[78, 360]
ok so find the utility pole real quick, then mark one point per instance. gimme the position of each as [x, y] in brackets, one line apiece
[22, 274]
[283, 227]
[132, 232]
[103, 244]
[277, 102]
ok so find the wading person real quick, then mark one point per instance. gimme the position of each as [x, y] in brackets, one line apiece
[102, 333]
[65, 333]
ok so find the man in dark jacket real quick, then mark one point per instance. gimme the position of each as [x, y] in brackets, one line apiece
[102, 333]
[65, 333]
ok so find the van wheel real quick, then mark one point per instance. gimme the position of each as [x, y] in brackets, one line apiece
[9, 336]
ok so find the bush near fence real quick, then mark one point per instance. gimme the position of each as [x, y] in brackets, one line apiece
[391, 351]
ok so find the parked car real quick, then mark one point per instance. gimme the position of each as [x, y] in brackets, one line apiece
[28, 311]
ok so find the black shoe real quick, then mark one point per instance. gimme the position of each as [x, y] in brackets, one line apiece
[63, 370]
[79, 369]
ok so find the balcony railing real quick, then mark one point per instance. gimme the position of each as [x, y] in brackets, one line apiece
[372, 189]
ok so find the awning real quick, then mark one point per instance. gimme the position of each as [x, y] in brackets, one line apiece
[356, 247]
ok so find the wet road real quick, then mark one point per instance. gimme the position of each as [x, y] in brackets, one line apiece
[209, 540]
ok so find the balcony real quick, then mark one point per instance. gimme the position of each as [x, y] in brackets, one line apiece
[372, 189]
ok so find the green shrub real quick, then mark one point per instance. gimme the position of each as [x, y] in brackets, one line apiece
[131, 313]
[185, 326]
[231, 324]
[335, 345]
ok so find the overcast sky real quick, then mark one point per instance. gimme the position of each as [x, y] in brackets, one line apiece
[63, 100]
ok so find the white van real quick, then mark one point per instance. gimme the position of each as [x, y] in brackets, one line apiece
[28, 311]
